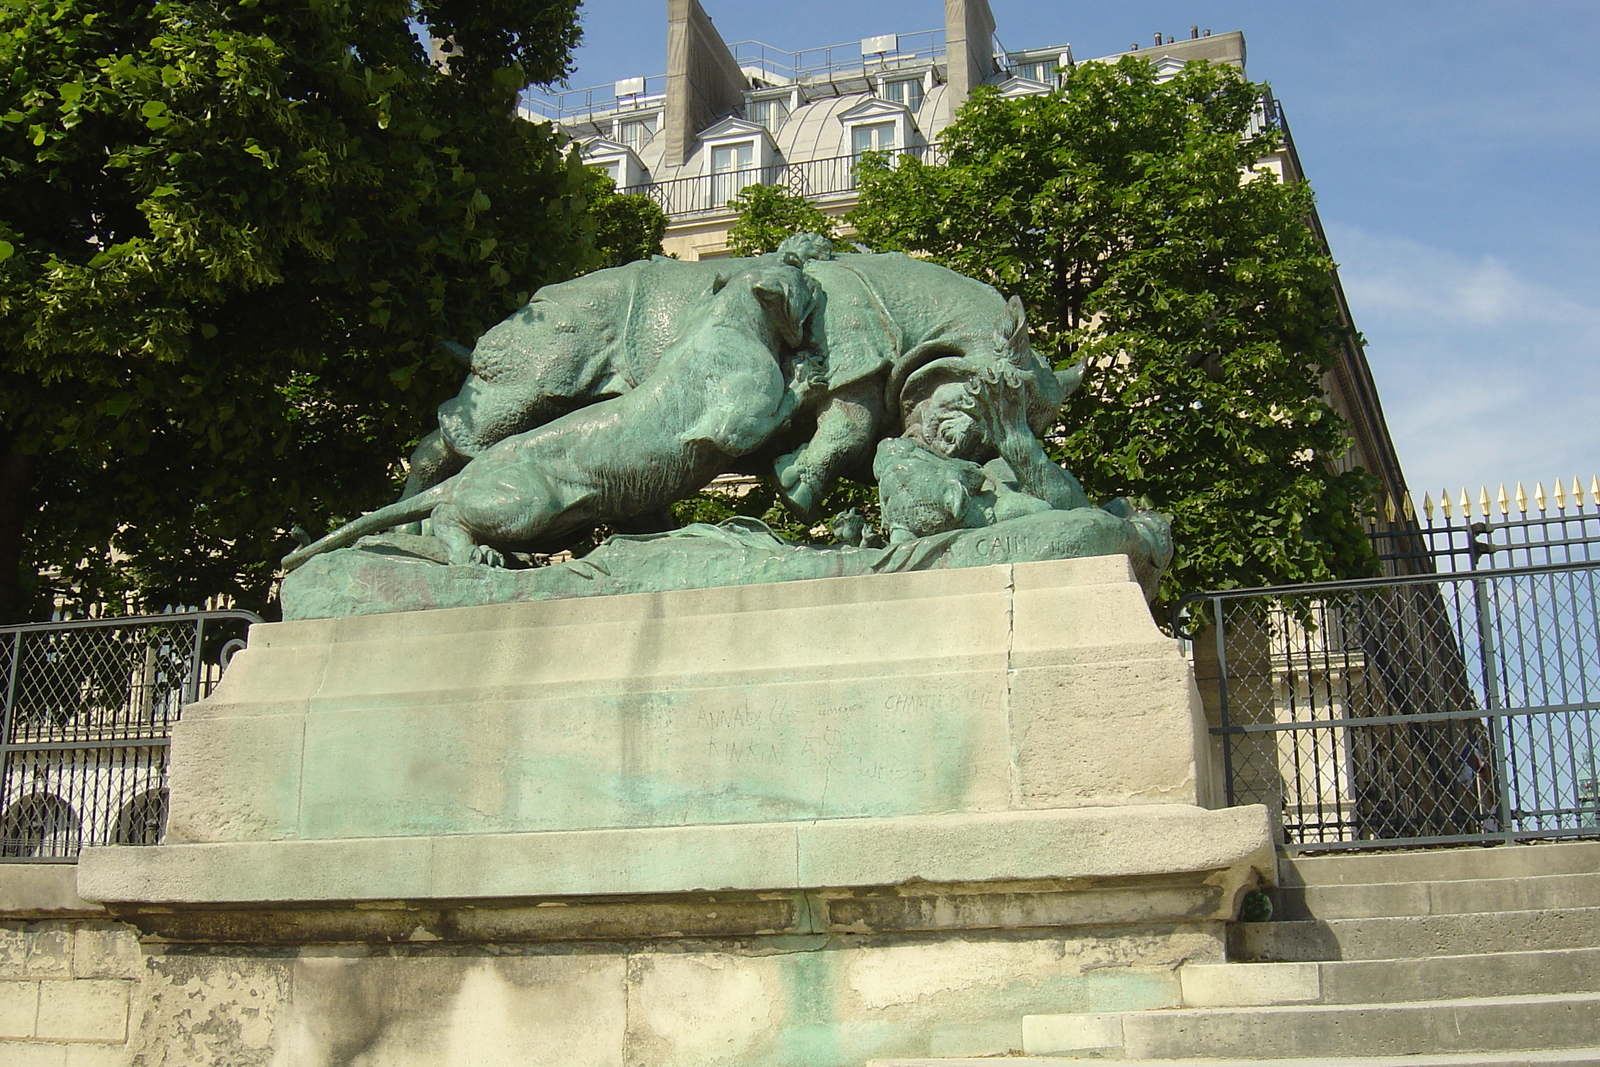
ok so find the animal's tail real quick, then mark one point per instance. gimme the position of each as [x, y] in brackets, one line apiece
[410, 509]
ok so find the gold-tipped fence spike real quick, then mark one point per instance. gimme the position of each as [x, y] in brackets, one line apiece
[1561, 496]
[1388, 509]
[1408, 510]
[1577, 492]
[1594, 490]
[1539, 497]
[1503, 500]
[1444, 503]
[1483, 500]
[1427, 507]
[1466, 506]
[1522, 499]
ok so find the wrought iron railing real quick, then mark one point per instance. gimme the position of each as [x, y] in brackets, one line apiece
[84, 728]
[1423, 709]
[812, 178]
[1499, 528]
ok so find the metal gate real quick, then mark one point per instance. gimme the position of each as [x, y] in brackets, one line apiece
[84, 727]
[1412, 710]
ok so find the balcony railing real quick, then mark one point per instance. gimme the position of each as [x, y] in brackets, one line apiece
[812, 179]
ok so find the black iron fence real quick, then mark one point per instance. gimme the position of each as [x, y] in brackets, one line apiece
[1432, 708]
[88, 709]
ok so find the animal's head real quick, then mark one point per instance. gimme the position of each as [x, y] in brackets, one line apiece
[787, 294]
[1001, 350]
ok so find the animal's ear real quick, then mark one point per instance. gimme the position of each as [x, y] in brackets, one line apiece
[1070, 378]
[789, 302]
[1012, 329]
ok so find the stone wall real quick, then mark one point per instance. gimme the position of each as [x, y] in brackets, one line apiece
[813, 978]
[69, 975]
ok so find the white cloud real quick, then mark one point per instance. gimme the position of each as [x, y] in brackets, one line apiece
[1485, 374]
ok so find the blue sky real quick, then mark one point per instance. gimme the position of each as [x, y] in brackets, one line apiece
[1454, 146]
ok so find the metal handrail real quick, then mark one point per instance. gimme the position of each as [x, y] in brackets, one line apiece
[86, 722]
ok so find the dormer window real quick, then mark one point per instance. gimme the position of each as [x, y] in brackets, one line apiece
[907, 91]
[636, 133]
[617, 160]
[737, 153]
[769, 113]
[733, 166]
[872, 137]
[876, 125]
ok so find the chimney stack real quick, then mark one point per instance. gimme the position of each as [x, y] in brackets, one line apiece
[968, 48]
[704, 82]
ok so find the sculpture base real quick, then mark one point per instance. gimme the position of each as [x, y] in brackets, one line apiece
[808, 823]
[409, 573]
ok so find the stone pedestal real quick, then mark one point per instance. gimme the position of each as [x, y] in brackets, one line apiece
[803, 823]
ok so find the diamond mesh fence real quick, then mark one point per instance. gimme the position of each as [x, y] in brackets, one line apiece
[1432, 708]
[84, 727]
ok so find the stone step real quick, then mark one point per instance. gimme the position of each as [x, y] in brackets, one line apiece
[1446, 897]
[1438, 864]
[1573, 970]
[1414, 936]
[1478, 1024]
[1575, 1057]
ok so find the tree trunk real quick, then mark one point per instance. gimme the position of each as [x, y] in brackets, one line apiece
[16, 479]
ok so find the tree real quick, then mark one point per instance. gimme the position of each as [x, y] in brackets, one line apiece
[1133, 219]
[232, 238]
[628, 226]
[768, 214]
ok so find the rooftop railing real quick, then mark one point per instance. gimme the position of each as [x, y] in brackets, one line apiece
[779, 66]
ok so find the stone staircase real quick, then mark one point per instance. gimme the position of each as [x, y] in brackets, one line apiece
[1483, 956]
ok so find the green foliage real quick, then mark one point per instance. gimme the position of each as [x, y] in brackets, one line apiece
[1132, 218]
[628, 226]
[768, 214]
[232, 237]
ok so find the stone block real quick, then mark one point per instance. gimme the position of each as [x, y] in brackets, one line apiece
[42, 890]
[212, 1009]
[420, 1012]
[34, 1054]
[1232, 984]
[235, 778]
[19, 1008]
[1233, 847]
[106, 951]
[14, 941]
[1048, 1035]
[48, 950]
[84, 1054]
[655, 860]
[85, 1009]
[1072, 725]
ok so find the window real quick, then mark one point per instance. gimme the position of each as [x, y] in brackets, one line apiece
[907, 91]
[872, 137]
[732, 168]
[39, 825]
[770, 113]
[613, 170]
[636, 133]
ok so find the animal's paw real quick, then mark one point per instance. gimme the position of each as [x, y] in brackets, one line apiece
[486, 556]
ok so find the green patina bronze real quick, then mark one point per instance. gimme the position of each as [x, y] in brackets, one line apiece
[612, 396]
